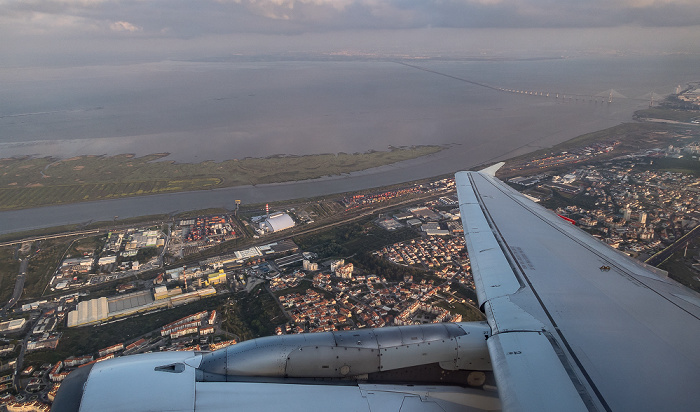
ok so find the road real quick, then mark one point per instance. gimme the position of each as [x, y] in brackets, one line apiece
[653, 120]
[55, 236]
[165, 246]
[19, 286]
[23, 350]
[661, 257]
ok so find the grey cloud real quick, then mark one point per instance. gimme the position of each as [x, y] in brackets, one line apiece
[182, 18]
[667, 15]
[70, 31]
[555, 13]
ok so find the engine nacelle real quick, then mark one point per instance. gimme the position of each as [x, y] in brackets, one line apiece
[455, 346]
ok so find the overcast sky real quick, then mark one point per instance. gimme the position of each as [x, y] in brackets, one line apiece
[45, 31]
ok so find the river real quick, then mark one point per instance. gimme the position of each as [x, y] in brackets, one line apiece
[233, 110]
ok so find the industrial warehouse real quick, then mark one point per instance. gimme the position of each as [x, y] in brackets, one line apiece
[103, 309]
[272, 223]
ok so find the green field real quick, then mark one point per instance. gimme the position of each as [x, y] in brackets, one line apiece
[87, 245]
[469, 314]
[668, 114]
[353, 238]
[42, 265]
[9, 269]
[685, 165]
[251, 315]
[29, 182]
[679, 266]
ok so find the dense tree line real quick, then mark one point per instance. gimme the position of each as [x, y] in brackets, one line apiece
[384, 268]
[252, 315]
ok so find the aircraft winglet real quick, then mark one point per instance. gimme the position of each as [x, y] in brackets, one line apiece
[491, 170]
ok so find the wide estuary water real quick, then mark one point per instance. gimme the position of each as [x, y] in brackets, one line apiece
[223, 110]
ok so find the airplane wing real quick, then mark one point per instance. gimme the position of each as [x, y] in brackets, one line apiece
[575, 324]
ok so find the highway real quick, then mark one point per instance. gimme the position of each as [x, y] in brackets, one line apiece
[19, 286]
[661, 257]
[54, 236]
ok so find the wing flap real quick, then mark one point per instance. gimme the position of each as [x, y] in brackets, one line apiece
[505, 316]
[493, 275]
[524, 363]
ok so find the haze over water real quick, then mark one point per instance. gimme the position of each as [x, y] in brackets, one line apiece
[222, 110]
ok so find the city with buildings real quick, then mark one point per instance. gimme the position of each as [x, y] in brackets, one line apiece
[630, 202]
[313, 294]
[627, 203]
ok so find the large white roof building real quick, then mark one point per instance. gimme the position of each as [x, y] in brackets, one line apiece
[89, 311]
[277, 222]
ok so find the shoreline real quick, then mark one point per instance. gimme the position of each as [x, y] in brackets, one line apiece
[506, 139]
[30, 182]
[432, 165]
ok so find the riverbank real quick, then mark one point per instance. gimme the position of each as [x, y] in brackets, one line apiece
[30, 182]
[473, 152]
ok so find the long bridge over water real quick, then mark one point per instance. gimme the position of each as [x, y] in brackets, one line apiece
[606, 96]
